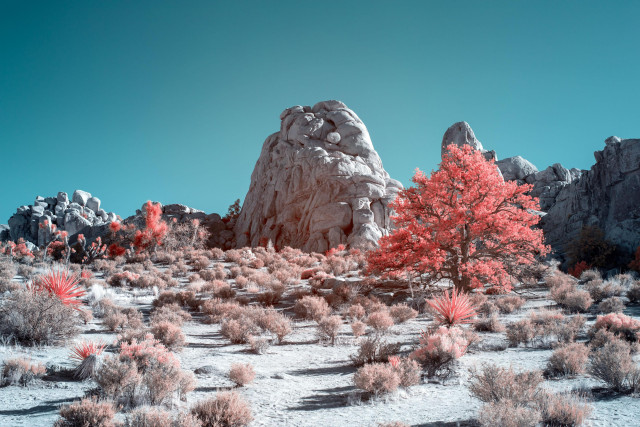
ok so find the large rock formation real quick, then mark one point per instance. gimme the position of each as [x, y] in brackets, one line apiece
[460, 133]
[318, 183]
[607, 195]
[34, 223]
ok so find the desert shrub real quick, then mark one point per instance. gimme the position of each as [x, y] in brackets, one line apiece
[402, 312]
[356, 312]
[634, 292]
[169, 334]
[149, 416]
[611, 305]
[86, 353]
[568, 359]
[21, 371]
[37, 318]
[123, 278]
[227, 409]
[87, 412]
[275, 322]
[612, 364]
[577, 301]
[311, 307]
[328, 327]
[509, 303]
[505, 413]
[591, 274]
[600, 291]
[200, 262]
[182, 298]
[408, 370]
[377, 378]
[496, 384]
[216, 310]
[118, 379]
[488, 324]
[238, 330]
[358, 328]
[380, 321]
[258, 345]
[123, 318]
[439, 349]
[241, 374]
[172, 313]
[618, 323]
[373, 350]
[543, 328]
[563, 409]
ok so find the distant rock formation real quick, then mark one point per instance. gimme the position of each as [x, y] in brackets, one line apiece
[34, 223]
[607, 195]
[318, 183]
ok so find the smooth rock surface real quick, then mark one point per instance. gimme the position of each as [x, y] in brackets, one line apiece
[316, 183]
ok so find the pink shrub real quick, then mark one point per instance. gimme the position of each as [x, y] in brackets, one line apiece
[452, 309]
[358, 328]
[489, 324]
[620, 324]
[506, 413]
[497, 384]
[239, 330]
[329, 327]
[438, 350]
[311, 307]
[241, 374]
[377, 378]
[509, 303]
[569, 359]
[402, 312]
[381, 321]
[169, 334]
[150, 416]
[611, 305]
[563, 409]
[408, 370]
[61, 283]
[21, 371]
[356, 312]
[87, 412]
[226, 409]
[612, 364]
[276, 323]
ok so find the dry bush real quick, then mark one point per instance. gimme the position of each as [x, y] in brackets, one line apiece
[275, 322]
[122, 279]
[495, 384]
[611, 305]
[634, 292]
[612, 363]
[402, 312]
[242, 282]
[216, 310]
[577, 301]
[169, 334]
[118, 379]
[238, 330]
[563, 409]
[380, 321]
[37, 318]
[172, 313]
[311, 307]
[241, 374]
[87, 412]
[123, 318]
[356, 312]
[258, 345]
[591, 274]
[509, 303]
[328, 327]
[489, 324]
[618, 323]
[200, 262]
[149, 416]
[182, 298]
[544, 328]
[439, 349]
[507, 414]
[568, 359]
[21, 371]
[374, 350]
[227, 409]
[377, 378]
[600, 291]
[409, 372]
[358, 328]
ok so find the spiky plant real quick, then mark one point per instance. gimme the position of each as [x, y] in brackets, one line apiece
[61, 283]
[452, 309]
[86, 352]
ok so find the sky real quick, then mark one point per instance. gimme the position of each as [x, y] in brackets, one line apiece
[171, 100]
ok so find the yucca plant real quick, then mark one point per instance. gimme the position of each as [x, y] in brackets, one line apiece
[86, 352]
[61, 283]
[452, 309]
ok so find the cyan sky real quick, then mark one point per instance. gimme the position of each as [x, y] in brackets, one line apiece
[172, 100]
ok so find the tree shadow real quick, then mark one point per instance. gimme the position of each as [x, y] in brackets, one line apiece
[43, 408]
[463, 423]
[328, 370]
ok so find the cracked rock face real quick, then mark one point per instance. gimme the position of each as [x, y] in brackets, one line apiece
[318, 183]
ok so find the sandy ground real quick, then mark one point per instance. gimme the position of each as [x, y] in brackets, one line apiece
[305, 382]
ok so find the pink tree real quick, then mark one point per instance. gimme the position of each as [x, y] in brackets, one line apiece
[464, 224]
[155, 231]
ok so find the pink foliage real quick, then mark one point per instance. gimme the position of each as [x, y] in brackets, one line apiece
[85, 349]
[452, 309]
[155, 230]
[61, 283]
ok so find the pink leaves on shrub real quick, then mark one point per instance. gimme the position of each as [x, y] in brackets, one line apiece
[452, 309]
[155, 230]
[61, 283]
[85, 349]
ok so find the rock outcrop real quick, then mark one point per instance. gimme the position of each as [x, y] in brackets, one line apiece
[607, 195]
[460, 133]
[318, 183]
[34, 223]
